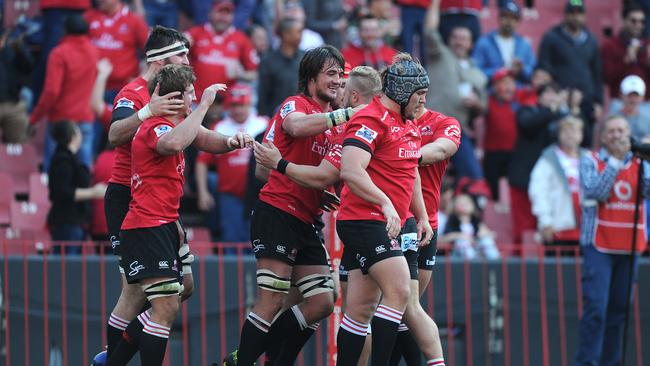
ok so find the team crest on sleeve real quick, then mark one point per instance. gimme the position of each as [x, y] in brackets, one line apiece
[124, 103]
[366, 133]
[289, 107]
[161, 130]
[453, 132]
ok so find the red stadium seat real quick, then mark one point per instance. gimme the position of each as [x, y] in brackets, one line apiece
[19, 161]
[30, 216]
[6, 197]
[23, 241]
[38, 191]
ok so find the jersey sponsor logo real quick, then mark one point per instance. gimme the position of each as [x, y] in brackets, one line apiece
[281, 249]
[257, 246]
[115, 241]
[366, 133]
[408, 153]
[409, 241]
[124, 103]
[135, 268]
[453, 132]
[431, 262]
[161, 130]
[271, 135]
[380, 249]
[136, 181]
[623, 190]
[361, 260]
[289, 107]
[163, 265]
[396, 129]
[319, 148]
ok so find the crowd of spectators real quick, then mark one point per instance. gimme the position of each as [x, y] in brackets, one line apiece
[523, 111]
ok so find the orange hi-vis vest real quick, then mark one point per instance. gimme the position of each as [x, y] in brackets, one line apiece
[615, 218]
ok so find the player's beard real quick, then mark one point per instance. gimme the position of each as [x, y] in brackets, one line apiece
[325, 97]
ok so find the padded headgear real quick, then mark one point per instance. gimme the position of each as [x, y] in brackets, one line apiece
[402, 79]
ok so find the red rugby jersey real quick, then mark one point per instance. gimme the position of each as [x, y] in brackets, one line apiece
[118, 37]
[212, 55]
[433, 126]
[134, 95]
[335, 138]
[280, 191]
[156, 180]
[395, 147]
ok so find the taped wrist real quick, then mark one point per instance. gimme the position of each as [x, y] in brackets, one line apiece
[315, 284]
[282, 166]
[339, 117]
[163, 288]
[268, 280]
[145, 113]
[187, 258]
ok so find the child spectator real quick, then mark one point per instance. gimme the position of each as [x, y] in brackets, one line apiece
[470, 237]
[68, 183]
[500, 129]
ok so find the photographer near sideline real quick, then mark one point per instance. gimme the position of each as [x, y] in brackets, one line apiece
[608, 182]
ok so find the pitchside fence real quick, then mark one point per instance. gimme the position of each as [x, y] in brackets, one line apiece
[514, 311]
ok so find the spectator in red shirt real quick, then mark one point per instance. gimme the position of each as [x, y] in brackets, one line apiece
[231, 167]
[500, 129]
[219, 52]
[460, 13]
[372, 51]
[69, 81]
[53, 13]
[120, 36]
[628, 53]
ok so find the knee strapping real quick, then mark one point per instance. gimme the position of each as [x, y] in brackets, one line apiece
[315, 284]
[162, 288]
[187, 258]
[268, 280]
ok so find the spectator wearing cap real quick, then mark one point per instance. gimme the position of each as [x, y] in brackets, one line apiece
[632, 107]
[69, 81]
[231, 167]
[119, 35]
[460, 86]
[570, 53]
[504, 47]
[220, 53]
[628, 53]
[327, 18]
[278, 72]
[500, 128]
[371, 51]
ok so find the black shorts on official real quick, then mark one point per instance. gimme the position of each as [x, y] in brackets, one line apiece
[279, 235]
[427, 254]
[116, 206]
[367, 241]
[150, 253]
[409, 243]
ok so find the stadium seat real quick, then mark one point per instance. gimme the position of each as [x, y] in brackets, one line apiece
[6, 197]
[20, 242]
[19, 161]
[31, 216]
[38, 191]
